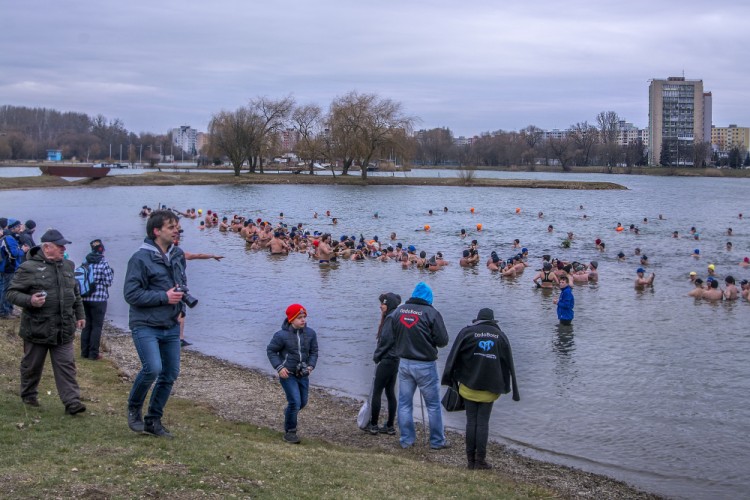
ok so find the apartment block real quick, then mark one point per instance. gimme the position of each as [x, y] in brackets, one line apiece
[185, 137]
[677, 117]
[725, 138]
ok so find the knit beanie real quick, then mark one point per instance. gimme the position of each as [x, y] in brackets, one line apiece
[293, 311]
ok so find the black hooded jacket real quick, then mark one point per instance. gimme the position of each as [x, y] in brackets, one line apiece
[386, 350]
[481, 359]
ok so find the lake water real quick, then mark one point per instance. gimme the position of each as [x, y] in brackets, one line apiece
[648, 387]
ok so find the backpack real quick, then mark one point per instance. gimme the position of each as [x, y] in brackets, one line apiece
[85, 276]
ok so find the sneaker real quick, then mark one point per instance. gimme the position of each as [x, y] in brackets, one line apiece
[387, 429]
[135, 420]
[443, 446]
[153, 427]
[75, 408]
[31, 401]
[373, 429]
[291, 437]
[185, 343]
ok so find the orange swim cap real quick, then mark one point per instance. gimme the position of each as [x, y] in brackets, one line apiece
[426, 227]
[518, 210]
[479, 227]
[471, 209]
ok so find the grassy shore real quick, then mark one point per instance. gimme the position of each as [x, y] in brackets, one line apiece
[201, 178]
[227, 422]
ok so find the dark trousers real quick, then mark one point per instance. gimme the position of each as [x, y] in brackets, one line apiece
[91, 334]
[63, 367]
[385, 379]
[477, 426]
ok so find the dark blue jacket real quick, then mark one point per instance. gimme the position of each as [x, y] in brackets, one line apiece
[150, 274]
[288, 346]
[565, 304]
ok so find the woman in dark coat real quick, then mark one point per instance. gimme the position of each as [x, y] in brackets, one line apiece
[481, 362]
[386, 371]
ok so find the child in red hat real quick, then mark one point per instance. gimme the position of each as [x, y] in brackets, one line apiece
[293, 353]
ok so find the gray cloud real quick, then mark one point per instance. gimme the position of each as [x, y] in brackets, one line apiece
[473, 66]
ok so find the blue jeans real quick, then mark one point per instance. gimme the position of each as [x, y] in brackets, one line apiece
[5, 307]
[296, 389]
[159, 352]
[422, 374]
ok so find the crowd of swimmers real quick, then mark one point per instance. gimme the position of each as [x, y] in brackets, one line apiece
[282, 239]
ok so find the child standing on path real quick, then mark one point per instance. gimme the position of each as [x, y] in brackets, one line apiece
[293, 353]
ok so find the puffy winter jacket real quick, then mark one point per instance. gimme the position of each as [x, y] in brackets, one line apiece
[150, 274]
[55, 322]
[288, 346]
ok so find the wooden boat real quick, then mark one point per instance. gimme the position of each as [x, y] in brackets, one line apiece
[74, 171]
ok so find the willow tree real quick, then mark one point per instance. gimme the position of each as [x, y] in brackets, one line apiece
[362, 125]
[233, 134]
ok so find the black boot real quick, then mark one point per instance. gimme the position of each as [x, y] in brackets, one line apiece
[152, 425]
[481, 464]
[135, 420]
[471, 460]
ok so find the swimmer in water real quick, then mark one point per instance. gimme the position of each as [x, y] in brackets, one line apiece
[545, 278]
[463, 234]
[550, 228]
[641, 281]
[729, 231]
[697, 292]
[745, 287]
[713, 292]
[745, 262]
[730, 289]
[729, 246]
[621, 256]
[675, 234]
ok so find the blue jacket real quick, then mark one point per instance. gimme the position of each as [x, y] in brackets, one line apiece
[11, 254]
[150, 274]
[289, 346]
[565, 304]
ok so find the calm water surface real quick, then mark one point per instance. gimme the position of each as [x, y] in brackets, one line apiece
[649, 387]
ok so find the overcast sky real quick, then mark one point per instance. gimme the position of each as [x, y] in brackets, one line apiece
[472, 66]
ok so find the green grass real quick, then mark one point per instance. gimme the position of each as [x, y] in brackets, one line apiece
[47, 454]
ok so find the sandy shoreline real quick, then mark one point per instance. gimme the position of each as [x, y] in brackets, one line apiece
[241, 394]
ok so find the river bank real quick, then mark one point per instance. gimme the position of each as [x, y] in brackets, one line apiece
[246, 395]
[201, 178]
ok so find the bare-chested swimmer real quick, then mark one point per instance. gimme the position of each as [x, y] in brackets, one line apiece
[641, 281]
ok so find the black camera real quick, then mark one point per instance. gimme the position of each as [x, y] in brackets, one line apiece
[188, 299]
[302, 369]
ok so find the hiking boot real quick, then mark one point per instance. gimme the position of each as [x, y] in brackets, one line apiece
[443, 446]
[31, 401]
[135, 420]
[373, 429]
[152, 426]
[75, 408]
[291, 437]
[388, 429]
[481, 464]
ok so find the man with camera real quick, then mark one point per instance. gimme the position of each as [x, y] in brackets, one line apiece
[155, 289]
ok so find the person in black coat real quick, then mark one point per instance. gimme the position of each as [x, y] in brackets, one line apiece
[387, 362]
[481, 363]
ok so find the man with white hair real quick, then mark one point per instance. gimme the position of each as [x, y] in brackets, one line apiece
[46, 288]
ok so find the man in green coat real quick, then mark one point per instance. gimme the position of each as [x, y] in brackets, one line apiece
[46, 288]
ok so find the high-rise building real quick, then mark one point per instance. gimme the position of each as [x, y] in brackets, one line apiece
[676, 118]
[184, 137]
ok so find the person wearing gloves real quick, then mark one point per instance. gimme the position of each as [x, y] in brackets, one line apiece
[481, 362]
[293, 353]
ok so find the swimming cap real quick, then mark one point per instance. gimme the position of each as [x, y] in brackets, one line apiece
[693, 273]
[640, 270]
[412, 248]
[711, 267]
[696, 251]
[524, 250]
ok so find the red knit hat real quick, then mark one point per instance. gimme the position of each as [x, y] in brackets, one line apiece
[293, 311]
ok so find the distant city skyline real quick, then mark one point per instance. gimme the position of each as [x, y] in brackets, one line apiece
[473, 67]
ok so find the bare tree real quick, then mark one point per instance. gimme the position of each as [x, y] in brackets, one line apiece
[233, 134]
[308, 121]
[272, 116]
[701, 150]
[363, 124]
[563, 150]
[435, 145]
[609, 128]
[533, 136]
[585, 137]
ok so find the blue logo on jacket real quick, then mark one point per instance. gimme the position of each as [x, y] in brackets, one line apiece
[486, 345]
